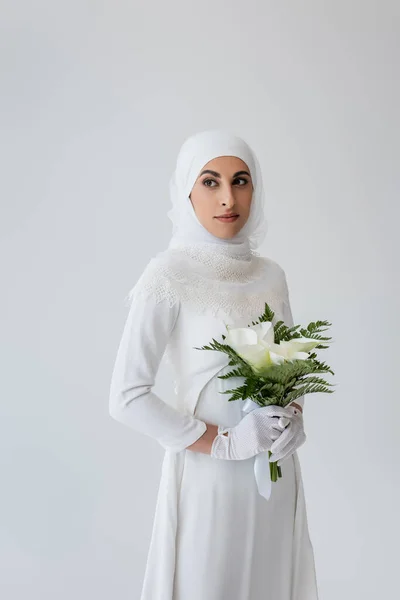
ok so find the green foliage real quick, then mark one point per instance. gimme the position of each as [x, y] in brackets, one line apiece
[283, 383]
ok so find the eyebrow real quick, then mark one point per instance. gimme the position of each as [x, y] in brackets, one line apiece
[219, 175]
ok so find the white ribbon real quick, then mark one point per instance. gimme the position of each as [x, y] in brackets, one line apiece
[262, 470]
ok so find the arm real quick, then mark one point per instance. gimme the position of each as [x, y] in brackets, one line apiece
[204, 443]
[132, 401]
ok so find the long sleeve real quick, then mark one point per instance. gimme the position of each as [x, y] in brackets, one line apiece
[288, 319]
[132, 401]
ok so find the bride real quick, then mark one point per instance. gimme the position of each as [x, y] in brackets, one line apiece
[215, 536]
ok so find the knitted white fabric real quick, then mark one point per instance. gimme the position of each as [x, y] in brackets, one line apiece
[255, 433]
[210, 279]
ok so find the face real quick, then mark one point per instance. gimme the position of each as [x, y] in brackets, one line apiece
[224, 185]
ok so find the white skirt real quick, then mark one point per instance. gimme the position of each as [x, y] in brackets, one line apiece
[215, 537]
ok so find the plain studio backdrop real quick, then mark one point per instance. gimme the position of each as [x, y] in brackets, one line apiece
[96, 99]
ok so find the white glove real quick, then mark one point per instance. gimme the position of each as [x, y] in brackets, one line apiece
[255, 433]
[292, 437]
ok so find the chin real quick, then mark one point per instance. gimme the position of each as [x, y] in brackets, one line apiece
[226, 235]
[224, 231]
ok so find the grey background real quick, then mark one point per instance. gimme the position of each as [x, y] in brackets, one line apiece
[96, 98]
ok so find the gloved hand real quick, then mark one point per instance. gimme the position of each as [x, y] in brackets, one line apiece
[255, 433]
[291, 438]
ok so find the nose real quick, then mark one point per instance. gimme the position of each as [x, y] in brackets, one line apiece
[227, 198]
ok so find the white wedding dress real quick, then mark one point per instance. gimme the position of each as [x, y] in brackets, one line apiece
[214, 536]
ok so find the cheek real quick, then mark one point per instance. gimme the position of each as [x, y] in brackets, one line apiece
[245, 204]
[208, 211]
[205, 205]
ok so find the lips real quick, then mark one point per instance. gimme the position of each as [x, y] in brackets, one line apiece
[230, 219]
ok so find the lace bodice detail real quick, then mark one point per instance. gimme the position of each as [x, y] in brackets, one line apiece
[213, 282]
[218, 263]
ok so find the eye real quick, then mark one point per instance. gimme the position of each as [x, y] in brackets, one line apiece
[241, 179]
[206, 180]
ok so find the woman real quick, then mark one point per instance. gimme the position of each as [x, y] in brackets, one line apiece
[215, 537]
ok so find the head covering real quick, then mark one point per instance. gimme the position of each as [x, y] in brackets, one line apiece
[211, 274]
[195, 152]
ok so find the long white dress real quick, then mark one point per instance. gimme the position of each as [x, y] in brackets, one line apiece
[214, 536]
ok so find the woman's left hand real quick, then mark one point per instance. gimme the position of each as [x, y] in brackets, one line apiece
[291, 438]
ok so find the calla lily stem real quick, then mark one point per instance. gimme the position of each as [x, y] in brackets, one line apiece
[275, 470]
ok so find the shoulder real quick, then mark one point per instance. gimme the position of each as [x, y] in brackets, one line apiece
[274, 268]
[271, 263]
[277, 278]
[154, 282]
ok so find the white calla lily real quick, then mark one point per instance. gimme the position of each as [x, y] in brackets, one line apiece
[297, 348]
[256, 345]
[252, 343]
[304, 344]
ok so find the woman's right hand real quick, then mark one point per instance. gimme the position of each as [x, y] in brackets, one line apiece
[255, 433]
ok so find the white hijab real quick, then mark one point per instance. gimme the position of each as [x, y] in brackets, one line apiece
[197, 267]
[195, 152]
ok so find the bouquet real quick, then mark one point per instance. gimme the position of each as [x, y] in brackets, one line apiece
[278, 363]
